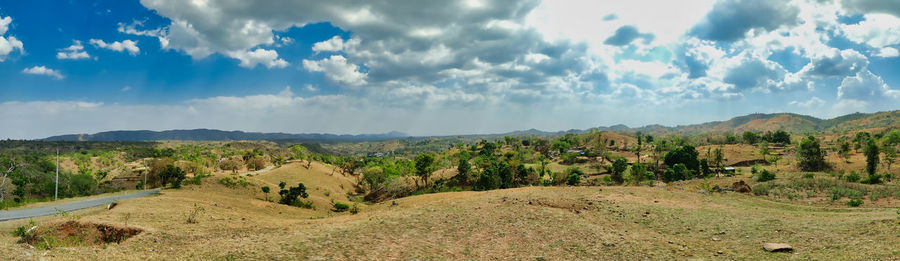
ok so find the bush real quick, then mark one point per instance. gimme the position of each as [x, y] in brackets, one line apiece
[855, 202]
[355, 209]
[809, 175]
[618, 168]
[754, 169]
[340, 207]
[234, 182]
[853, 177]
[573, 178]
[872, 179]
[568, 158]
[765, 175]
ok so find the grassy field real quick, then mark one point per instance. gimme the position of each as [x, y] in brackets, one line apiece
[553, 223]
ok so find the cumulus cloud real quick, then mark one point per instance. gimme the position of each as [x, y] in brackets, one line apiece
[877, 31]
[43, 70]
[73, 52]
[8, 44]
[331, 45]
[730, 20]
[888, 52]
[250, 59]
[126, 45]
[337, 70]
[866, 86]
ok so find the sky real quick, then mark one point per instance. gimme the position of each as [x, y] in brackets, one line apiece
[437, 67]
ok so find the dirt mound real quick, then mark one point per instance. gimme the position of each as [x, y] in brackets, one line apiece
[74, 233]
[741, 187]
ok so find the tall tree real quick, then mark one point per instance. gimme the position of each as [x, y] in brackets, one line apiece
[423, 166]
[810, 156]
[764, 150]
[871, 152]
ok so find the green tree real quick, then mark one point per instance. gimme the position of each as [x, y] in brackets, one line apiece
[463, 168]
[289, 196]
[505, 174]
[704, 168]
[844, 150]
[810, 156]
[871, 153]
[637, 149]
[686, 155]
[560, 146]
[677, 172]
[719, 160]
[764, 150]
[374, 177]
[618, 168]
[173, 174]
[890, 155]
[861, 139]
[638, 173]
[423, 166]
[750, 137]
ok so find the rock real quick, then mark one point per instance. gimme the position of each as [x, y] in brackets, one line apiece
[777, 247]
[702, 191]
[720, 252]
[608, 244]
[741, 187]
[715, 239]
[112, 205]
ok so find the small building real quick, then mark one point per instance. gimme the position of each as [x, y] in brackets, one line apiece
[729, 170]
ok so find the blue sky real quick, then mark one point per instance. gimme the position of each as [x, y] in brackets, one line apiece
[437, 67]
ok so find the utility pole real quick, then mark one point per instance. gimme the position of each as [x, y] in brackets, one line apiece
[56, 191]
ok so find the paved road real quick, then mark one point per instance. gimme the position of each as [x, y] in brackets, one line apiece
[50, 210]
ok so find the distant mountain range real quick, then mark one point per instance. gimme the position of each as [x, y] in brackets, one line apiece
[215, 135]
[757, 122]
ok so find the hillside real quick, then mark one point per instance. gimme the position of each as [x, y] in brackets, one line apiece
[790, 122]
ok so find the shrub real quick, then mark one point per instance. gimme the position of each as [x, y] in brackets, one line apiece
[618, 168]
[354, 209]
[289, 195]
[234, 182]
[192, 217]
[872, 179]
[853, 177]
[568, 158]
[340, 207]
[855, 202]
[573, 178]
[754, 169]
[765, 175]
[809, 175]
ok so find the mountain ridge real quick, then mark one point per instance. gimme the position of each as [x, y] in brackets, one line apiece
[755, 122]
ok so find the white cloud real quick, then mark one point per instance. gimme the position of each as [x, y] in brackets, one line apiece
[73, 52]
[337, 70]
[331, 45]
[126, 45]
[42, 70]
[877, 30]
[866, 86]
[888, 52]
[250, 59]
[8, 44]
[132, 29]
[126, 88]
[812, 103]
[310, 87]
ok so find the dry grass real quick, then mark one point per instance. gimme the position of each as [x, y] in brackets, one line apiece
[555, 223]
